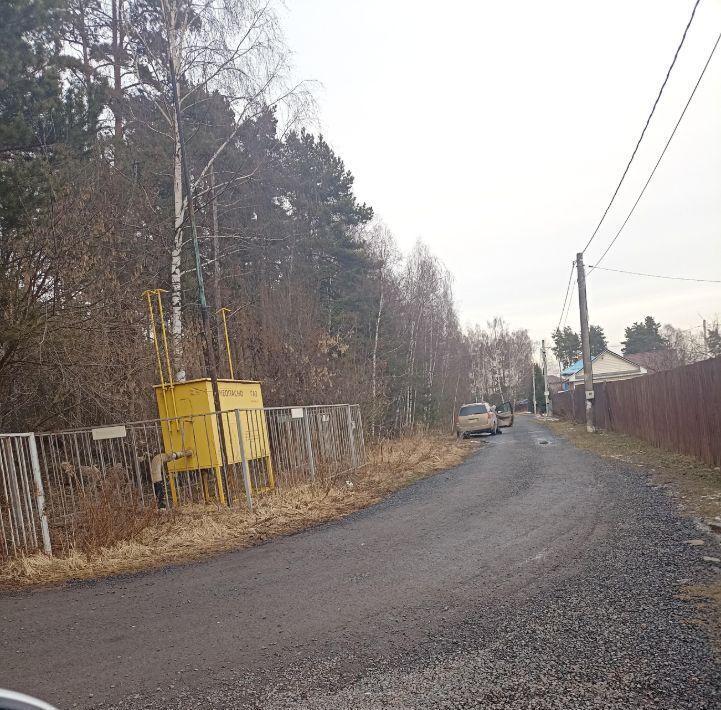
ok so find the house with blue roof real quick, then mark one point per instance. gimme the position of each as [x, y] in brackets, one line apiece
[607, 366]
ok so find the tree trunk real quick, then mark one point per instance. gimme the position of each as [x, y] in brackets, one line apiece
[176, 296]
[217, 303]
[375, 360]
[118, 37]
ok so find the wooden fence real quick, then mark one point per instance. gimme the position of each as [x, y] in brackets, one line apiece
[678, 410]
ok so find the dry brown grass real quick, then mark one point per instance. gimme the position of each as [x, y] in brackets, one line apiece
[112, 514]
[191, 533]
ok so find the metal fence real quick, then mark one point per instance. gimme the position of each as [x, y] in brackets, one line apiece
[678, 410]
[50, 481]
[23, 522]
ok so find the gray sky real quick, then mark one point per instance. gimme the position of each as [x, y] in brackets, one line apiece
[496, 132]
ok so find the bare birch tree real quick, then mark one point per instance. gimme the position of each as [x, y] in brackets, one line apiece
[230, 46]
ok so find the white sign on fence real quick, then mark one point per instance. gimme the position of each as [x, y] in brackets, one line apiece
[296, 412]
[109, 432]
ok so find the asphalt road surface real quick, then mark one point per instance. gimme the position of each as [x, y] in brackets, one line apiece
[535, 575]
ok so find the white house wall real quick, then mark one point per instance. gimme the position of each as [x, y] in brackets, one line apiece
[608, 366]
[607, 363]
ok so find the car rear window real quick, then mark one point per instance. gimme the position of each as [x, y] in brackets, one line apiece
[473, 409]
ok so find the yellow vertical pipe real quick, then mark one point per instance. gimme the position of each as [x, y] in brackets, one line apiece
[167, 350]
[206, 489]
[223, 311]
[218, 475]
[157, 348]
[173, 488]
[271, 477]
[219, 484]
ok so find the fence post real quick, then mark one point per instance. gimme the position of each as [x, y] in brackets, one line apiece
[362, 436]
[309, 444]
[246, 471]
[351, 438]
[40, 495]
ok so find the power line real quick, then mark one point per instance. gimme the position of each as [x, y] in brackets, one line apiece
[570, 300]
[657, 276]
[643, 132]
[568, 288]
[660, 158]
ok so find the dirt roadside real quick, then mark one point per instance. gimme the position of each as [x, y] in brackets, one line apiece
[695, 487]
[190, 534]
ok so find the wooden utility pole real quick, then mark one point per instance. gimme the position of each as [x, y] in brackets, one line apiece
[705, 340]
[546, 393]
[585, 343]
[533, 379]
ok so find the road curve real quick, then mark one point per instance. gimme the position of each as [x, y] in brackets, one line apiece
[534, 575]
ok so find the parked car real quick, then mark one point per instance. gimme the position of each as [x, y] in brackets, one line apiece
[504, 413]
[476, 418]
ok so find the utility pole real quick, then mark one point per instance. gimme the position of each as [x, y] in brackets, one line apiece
[546, 393]
[585, 343]
[705, 339]
[533, 379]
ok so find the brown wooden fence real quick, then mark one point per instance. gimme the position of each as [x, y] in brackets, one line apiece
[678, 410]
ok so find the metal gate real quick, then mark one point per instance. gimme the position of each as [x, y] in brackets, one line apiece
[23, 521]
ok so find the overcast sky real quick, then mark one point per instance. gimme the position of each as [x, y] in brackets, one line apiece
[496, 132]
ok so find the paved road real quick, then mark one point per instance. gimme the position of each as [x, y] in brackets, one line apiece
[534, 575]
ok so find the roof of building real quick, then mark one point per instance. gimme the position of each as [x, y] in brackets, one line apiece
[578, 366]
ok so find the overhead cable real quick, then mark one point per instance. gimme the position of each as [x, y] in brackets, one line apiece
[643, 132]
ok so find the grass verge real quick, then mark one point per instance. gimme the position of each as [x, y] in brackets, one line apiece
[696, 487]
[192, 533]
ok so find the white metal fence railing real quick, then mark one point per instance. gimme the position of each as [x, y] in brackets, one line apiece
[23, 521]
[50, 481]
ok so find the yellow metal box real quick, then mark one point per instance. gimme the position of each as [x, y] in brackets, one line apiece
[191, 423]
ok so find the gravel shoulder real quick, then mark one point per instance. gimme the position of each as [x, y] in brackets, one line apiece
[533, 575]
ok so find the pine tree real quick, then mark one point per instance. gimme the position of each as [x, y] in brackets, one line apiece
[643, 337]
[567, 346]
[597, 339]
[713, 340]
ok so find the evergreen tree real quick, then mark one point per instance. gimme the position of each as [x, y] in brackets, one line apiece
[325, 214]
[713, 340]
[31, 107]
[643, 337]
[597, 339]
[567, 346]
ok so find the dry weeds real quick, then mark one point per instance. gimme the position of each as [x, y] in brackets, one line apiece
[192, 533]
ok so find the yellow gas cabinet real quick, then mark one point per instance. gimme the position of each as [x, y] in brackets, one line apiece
[190, 423]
